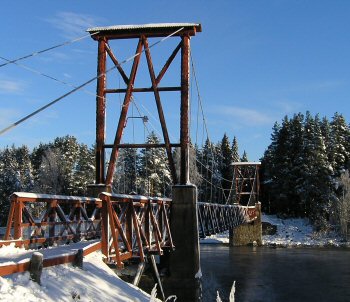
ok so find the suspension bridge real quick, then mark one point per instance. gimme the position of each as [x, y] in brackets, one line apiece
[133, 227]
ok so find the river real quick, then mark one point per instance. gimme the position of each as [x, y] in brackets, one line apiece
[275, 274]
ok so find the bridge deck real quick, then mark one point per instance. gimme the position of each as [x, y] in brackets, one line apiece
[17, 260]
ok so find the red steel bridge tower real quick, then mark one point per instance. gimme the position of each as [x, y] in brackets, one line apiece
[184, 265]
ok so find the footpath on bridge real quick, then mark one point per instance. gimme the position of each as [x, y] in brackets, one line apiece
[17, 260]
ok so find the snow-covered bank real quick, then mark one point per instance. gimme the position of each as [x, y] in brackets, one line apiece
[298, 232]
[294, 232]
[95, 282]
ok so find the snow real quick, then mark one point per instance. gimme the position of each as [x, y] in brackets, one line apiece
[293, 232]
[50, 196]
[95, 282]
[217, 238]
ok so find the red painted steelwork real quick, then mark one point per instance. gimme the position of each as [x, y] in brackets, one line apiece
[138, 225]
[247, 183]
[143, 32]
[101, 112]
[123, 114]
[184, 112]
[37, 219]
[160, 111]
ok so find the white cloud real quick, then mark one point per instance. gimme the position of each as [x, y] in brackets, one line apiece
[73, 24]
[10, 86]
[246, 116]
[288, 107]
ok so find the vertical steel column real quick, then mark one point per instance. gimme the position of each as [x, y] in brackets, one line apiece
[100, 112]
[184, 112]
[257, 184]
[17, 225]
[123, 114]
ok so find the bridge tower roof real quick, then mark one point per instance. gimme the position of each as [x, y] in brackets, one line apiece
[148, 30]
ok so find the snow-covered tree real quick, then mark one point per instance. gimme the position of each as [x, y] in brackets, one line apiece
[315, 191]
[343, 206]
[339, 146]
[15, 175]
[235, 150]
[244, 157]
[66, 167]
[127, 178]
[154, 170]
[208, 166]
[226, 168]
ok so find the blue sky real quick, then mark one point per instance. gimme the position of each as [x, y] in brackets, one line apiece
[256, 61]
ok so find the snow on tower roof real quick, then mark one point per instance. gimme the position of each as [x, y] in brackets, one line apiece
[246, 163]
[151, 30]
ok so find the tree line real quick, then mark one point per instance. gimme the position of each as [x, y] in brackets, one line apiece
[67, 167]
[302, 167]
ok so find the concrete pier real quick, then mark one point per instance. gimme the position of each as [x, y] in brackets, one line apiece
[248, 233]
[184, 262]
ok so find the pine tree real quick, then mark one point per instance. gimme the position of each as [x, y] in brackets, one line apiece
[206, 170]
[294, 161]
[84, 171]
[244, 157]
[126, 178]
[15, 175]
[226, 168]
[316, 190]
[339, 147]
[235, 150]
[268, 171]
[8, 181]
[66, 167]
[276, 167]
[155, 174]
[326, 134]
[235, 159]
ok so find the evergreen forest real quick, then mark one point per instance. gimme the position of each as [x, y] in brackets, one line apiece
[303, 172]
[67, 167]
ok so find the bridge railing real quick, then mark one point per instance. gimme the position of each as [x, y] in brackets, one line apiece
[133, 226]
[216, 218]
[42, 219]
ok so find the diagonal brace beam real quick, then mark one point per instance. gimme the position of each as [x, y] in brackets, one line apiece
[116, 63]
[123, 114]
[160, 111]
[168, 62]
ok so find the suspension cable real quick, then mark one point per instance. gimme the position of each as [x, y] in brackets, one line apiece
[84, 84]
[48, 49]
[48, 76]
[202, 111]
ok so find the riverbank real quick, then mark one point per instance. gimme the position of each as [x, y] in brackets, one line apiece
[95, 282]
[292, 232]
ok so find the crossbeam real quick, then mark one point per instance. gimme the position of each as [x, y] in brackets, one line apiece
[142, 33]
[138, 225]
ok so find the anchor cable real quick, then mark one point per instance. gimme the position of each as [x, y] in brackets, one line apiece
[47, 49]
[83, 85]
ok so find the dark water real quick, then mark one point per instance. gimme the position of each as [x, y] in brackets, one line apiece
[280, 274]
